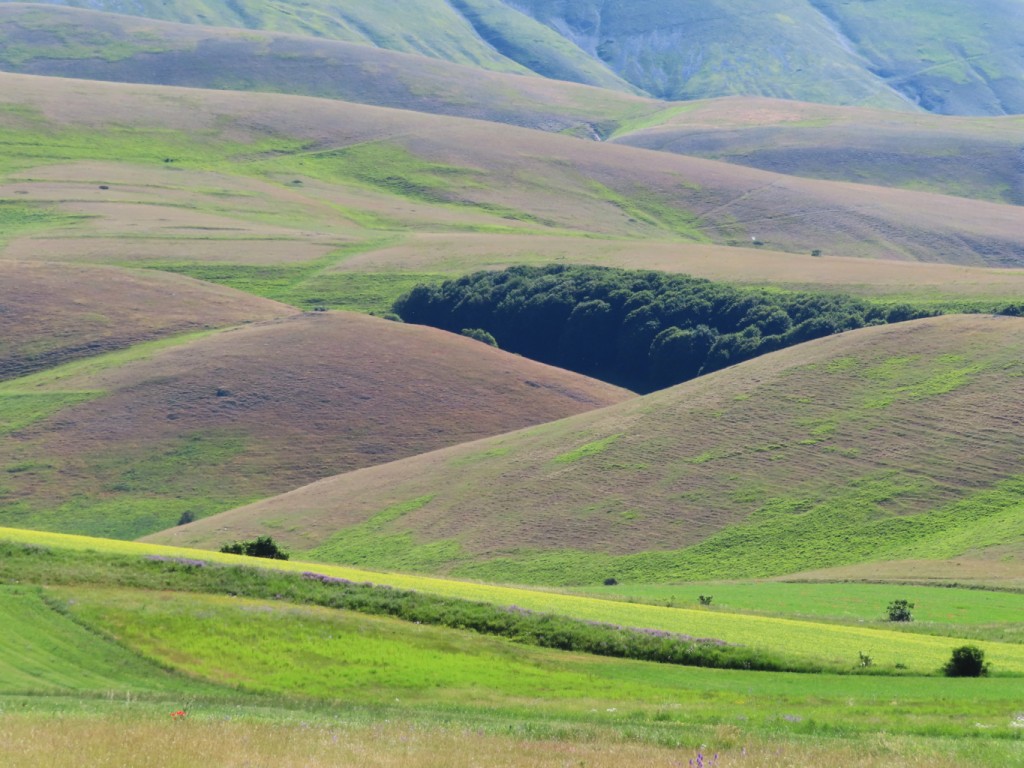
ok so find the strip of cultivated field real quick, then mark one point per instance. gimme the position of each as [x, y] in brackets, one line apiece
[825, 643]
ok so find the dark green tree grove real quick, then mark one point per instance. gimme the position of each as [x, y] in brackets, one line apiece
[642, 330]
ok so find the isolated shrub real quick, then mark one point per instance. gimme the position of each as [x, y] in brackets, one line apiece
[611, 581]
[899, 610]
[705, 599]
[186, 517]
[967, 661]
[263, 546]
[865, 660]
[480, 335]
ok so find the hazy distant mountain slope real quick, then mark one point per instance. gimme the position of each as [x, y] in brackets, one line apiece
[951, 57]
[430, 27]
[687, 50]
[71, 42]
[483, 33]
[948, 56]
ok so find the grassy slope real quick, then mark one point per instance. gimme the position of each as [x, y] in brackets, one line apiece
[962, 59]
[474, 32]
[886, 443]
[55, 313]
[685, 51]
[959, 156]
[427, 27]
[397, 171]
[45, 651]
[947, 57]
[125, 445]
[968, 157]
[799, 639]
[72, 42]
[966, 612]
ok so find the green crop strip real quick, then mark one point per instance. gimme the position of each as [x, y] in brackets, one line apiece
[826, 645]
[943, 611]
[308, 286]
[544, 630]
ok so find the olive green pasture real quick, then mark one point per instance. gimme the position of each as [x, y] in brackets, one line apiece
[977, 613]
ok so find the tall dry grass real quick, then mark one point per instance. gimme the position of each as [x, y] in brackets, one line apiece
[111, 742]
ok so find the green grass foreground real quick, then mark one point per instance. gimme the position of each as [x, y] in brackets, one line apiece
[103, 640]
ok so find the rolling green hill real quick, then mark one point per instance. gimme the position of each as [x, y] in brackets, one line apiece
[127, 443]
[966, 157]
[889, 443]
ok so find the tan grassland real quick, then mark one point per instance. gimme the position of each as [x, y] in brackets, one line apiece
[922, 412]
[296, 399]
[71, 742]
[53, 313]
[965, 156]
[1000, 567]
[460, 253]
[561, 182]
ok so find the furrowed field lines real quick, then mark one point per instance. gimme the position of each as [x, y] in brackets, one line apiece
[43, 651]
[829, 644]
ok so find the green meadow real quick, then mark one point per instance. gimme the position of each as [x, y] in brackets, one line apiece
[951, 611]
[101, 637]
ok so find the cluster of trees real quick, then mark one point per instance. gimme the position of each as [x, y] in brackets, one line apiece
[642, 330]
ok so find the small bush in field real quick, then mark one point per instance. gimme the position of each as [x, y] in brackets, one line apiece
[263, 546]
[966, 661]
[899, 610]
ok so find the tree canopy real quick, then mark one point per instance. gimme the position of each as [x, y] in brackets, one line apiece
[639, 329]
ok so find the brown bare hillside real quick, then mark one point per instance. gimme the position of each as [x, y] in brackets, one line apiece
[53, 313]
[425, 171]
[969, 157]
[827, 439]
[257, 410]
